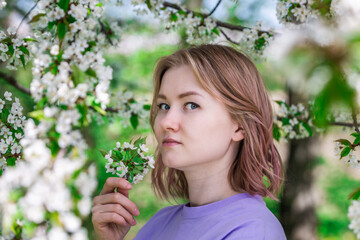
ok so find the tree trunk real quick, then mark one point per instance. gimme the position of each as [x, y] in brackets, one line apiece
[297, 207]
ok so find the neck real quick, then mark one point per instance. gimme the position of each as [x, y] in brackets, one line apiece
[209, 186]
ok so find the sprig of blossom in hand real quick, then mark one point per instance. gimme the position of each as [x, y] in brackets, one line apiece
[129, 160]
[11, 131]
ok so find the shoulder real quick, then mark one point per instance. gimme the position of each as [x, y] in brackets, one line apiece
[255, 221]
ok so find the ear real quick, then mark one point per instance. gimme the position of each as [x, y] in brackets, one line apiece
[239, 134]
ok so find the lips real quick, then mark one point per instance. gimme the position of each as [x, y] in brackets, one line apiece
[170, 140]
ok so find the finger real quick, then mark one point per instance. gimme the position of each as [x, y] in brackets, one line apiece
[117, 208]
[114, 182]
[102, 218]
[117, 198]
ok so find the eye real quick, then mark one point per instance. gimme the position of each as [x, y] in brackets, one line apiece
[163, 106]
[192, 105]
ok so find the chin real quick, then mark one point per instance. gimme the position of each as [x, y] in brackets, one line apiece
[173, 163]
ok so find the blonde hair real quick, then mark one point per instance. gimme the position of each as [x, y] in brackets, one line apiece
[233, 79]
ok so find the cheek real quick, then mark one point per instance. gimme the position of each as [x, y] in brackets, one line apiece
[157, 129]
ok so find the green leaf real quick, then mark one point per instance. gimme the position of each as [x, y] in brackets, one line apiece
[11, 161]
[83, 110]
[281, 103]
[216, 31]
[51, 25]
[103, 152]
[37, 114]
[357, 140]
[140, 140]
[37, 17]
[11, 49]
[173, 17]
[99, 110]
[71, 19]
[54, 70]
[276, 133]
[308, 128]
[91, 73]
[64, 4]
[345, 152]
[30, 40]
[138, 160]
[22, 59]
[354, 194]
[148, 3]
[147, 107]
[285, 121]
[91, 100]
[355, 134]
[24, 50]
[78, 75]
[119, 155]
[344, 142]
[61, 30]
[41, 104]
[134, 120]
[59, 56]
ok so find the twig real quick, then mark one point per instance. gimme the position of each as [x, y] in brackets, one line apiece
[12, 81]
[218, 23]
[216, 6]
[103, 29]
[26, 15]
[228, 38]
[353, 114]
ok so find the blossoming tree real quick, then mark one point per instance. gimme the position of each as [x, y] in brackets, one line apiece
[42, 155]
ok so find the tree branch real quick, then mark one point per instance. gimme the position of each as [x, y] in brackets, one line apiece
[216, 6]
[228, 38]
[218, 23]
[106, 32]
[353, 114]
[26, 15]
[12, 81]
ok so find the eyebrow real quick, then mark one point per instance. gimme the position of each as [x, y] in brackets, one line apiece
[182, 95]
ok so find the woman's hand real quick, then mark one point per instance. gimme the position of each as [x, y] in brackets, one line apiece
[112, 212]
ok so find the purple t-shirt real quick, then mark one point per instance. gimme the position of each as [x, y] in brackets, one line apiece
[241, 216]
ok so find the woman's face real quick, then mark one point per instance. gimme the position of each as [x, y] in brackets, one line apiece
[192, 117]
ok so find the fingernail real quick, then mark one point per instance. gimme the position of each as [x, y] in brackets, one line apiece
[134, 222]
[128, 185]
[136, 211]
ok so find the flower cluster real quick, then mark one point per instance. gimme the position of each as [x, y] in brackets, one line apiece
[295, 11]
[129, 110]
[129, 160]
[254, 41]
[45, 184]
[199, 28]
[345, 150]
[78, 59]
[292, 122]
[14, 49]
[354, 216]
[11, 131]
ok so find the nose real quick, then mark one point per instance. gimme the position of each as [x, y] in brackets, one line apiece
[170, 120]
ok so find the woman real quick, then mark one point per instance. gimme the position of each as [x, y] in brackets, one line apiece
[212, 119]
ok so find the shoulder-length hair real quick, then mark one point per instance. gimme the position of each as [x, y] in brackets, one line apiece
[233, 79]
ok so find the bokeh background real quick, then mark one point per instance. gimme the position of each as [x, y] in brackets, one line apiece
[142, 42]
